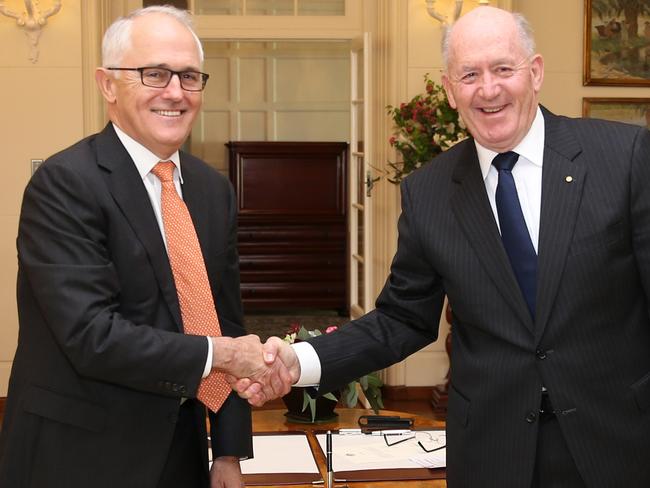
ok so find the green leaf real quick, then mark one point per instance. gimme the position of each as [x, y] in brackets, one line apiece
[351, 395]
[330, 396]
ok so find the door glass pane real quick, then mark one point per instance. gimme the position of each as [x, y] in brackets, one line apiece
[362, 286]
[269, 7]
[360, 128]
[321, 7]
[361, 181]
[219, 7]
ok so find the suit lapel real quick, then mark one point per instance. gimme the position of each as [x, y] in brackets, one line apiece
[471, 207]
[129, 193]
[562, 183]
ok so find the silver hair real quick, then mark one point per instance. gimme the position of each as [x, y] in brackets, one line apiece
[526, 37]
[117, 39]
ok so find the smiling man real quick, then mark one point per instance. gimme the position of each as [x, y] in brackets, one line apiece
[537, 229]
[128, 290]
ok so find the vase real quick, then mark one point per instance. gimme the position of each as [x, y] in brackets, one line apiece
[294, 401]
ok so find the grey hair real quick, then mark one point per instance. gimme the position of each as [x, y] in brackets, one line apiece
[524, 29]
[117, 39]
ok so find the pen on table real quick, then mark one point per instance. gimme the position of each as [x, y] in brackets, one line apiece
[328, 449]
[375, 432]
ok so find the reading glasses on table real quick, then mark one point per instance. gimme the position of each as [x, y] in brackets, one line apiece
[427, 441]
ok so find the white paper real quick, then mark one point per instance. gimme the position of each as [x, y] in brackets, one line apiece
[364, 452]
[280, 454]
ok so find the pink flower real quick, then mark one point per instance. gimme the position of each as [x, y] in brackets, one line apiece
[331, 329]
[392, 140]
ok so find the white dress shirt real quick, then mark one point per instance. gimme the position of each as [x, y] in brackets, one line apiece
[145, 161]
[527, 174]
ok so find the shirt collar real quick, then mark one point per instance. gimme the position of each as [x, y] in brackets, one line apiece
[144, 159]
[531, 146]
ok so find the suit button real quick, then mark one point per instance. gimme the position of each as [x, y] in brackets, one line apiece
[531, 417]
[182, 389]
[540, 354]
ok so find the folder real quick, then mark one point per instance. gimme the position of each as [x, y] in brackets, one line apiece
[366, 457]
[280, 458]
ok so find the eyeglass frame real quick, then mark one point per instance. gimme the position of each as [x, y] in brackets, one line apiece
[414, 436]
[204, 76]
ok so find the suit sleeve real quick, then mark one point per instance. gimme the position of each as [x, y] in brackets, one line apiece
[405, 320]
[640, 207]
[66, 264]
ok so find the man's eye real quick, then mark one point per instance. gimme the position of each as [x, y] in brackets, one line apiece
[154, 74]
[191, 75]
[468, 77]
[504, 71]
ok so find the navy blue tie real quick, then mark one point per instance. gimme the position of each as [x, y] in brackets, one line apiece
[514, 232]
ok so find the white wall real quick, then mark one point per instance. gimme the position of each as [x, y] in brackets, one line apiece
[42, 113]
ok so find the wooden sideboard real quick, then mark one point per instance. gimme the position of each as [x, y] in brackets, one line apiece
[292, 211]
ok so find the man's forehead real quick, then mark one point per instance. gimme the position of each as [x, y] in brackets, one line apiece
[473, 62]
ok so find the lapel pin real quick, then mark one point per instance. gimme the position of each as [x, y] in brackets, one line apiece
[568, 179]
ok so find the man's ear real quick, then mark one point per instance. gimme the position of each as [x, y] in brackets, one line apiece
[106, 84]
[537, 72]
[446, 84]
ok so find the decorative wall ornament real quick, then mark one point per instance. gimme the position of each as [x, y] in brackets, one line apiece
[443, 18]
[32, 20]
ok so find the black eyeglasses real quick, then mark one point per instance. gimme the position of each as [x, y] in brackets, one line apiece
[160, 77]
[426, 441]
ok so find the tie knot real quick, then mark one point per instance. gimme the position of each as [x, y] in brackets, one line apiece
[505, 161]
[164, 170]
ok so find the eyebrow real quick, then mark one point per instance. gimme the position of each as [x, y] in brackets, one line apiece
[497, 62]
[167, 66]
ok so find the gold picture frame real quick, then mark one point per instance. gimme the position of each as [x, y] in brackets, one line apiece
[616, 44]
[629, 110]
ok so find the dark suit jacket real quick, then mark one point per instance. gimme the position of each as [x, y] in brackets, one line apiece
[590, 341]
[102, 362]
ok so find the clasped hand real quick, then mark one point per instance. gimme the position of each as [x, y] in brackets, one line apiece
[257, 372]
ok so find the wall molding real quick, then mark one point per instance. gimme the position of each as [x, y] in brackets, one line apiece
[407, 392]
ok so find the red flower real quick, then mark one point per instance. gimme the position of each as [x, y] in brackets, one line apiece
[392, 140]
[294, 328]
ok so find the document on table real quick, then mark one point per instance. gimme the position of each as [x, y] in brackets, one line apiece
[280, 459]
[370, 452]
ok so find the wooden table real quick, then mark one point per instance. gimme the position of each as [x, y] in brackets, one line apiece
[274, 420]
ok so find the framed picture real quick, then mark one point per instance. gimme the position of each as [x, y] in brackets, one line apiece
[630, 110]
[617, 42]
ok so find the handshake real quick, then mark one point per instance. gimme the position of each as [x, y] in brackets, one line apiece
[257, 372]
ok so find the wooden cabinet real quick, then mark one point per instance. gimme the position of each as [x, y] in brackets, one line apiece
[292, 201]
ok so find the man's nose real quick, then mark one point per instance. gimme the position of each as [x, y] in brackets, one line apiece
[174, 89]
[490, 85]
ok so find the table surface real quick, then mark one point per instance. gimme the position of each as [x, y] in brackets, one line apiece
[275, 421]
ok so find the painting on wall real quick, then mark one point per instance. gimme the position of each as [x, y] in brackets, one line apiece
[630, 110]
[617, 42]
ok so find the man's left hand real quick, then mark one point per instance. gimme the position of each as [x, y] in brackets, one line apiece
[226, 473]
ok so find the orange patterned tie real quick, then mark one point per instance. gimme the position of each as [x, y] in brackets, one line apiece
[191, 278]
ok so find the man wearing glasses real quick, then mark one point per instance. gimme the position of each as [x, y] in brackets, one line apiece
[121, 348]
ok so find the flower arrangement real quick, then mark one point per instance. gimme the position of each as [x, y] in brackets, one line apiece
[370, 384]
[424, 127]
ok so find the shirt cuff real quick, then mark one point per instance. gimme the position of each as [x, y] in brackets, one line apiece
[310, 369]
[208, 361]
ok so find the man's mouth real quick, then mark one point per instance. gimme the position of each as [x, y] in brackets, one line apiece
[492, 110]
[168, 113]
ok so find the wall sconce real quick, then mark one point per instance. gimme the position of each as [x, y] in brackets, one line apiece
[32, 20]
[443, 18]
